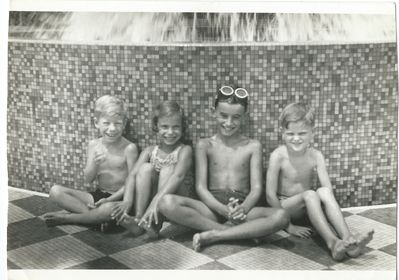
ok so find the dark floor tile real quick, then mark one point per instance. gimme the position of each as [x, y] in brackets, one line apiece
[213, 266]
[382, 215]
[110, 243]
[346, 214]
[11, 265]
[36, 205]
[313, 248]
[30, 231]
[390, 249]
[102, 263]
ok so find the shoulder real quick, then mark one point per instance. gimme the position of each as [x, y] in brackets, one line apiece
[253, 143]
[278, 154]
[204, 143]
[185, 151]
[94, 142]
[316, 154]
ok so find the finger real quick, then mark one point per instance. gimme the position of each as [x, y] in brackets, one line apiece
[156, 217]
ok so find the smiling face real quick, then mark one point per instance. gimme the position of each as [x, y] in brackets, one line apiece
[297, 136]
[110, 127]
[229, 118]
[170, 129]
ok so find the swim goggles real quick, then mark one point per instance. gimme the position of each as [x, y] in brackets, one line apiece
[238, 92]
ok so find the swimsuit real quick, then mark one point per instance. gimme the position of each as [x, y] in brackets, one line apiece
[158, 163]
[99, 194]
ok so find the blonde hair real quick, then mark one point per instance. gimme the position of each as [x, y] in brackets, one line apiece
[295, 112]
[166, 109]
[110, 105]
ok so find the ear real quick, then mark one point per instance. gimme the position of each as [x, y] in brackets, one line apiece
[96, 122]
[213, 110]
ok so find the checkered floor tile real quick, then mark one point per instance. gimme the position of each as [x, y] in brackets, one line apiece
[33, 245]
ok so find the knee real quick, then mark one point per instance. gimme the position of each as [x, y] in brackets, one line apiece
[168, 203]
[145, 170]
[55, 192]
[325, 193]
[106, 208]
[310, 196]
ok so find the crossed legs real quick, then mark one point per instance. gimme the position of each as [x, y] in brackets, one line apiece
[195, 214]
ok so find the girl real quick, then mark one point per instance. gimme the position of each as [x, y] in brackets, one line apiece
[160, 170]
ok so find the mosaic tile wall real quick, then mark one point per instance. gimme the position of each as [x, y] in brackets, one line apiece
[52, 89]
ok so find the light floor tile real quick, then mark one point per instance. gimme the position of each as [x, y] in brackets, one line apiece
[14, 195]
[164, 254]
[374, 260]
[16, 214]
[71, 229]
[383, 234]
[56, 253]
[269, 258]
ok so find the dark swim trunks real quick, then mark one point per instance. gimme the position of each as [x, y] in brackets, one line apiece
[99, 194]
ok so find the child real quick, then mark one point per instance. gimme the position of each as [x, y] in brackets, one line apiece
[228, 181]
[160, 169]
[109, 160]
[289, 181]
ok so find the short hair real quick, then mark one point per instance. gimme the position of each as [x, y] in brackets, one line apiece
[109, 105]
[167, 109]
[295, 112]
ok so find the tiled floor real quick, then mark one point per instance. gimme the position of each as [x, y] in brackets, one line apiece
[32, 245]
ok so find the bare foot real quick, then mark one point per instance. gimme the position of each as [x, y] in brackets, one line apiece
[153, 230]
[203, 238]
[361, 241]
[299, 231]
[340, 248]
[131, 224]
[53, 219]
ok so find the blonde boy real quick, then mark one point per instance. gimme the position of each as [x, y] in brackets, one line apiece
[289, 185]
[109, 160]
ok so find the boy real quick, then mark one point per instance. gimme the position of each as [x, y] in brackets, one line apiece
[289, 181]
[228, 181]
[109, 160]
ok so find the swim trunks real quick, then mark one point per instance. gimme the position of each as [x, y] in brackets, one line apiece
[159, 163]
[99, 194]
[223, 197]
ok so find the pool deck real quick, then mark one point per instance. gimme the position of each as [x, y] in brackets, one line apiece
[33, 245]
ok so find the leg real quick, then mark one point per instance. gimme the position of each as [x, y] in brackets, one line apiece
[260, 222]
[316, 215]
[188, 212]
[144, 190]
[336, 218]
[295, 206]
[71, 200]
[94, 216]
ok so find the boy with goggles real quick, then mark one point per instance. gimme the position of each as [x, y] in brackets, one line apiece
[228, 181]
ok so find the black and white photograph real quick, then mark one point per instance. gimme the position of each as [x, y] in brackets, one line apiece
[201, 136]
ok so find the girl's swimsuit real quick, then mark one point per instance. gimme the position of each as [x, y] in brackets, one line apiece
[159, 163]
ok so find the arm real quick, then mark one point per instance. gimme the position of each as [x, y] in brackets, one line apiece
[272, 180]
[322, 171]
[93, 160]
[184, 162]
[201, 180]
[255, 178]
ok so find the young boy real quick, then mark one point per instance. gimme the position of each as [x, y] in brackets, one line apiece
[228, 181]
[109, 160]
[289, 182]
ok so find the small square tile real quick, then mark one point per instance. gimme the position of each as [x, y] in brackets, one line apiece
[163, 254]
[56, 253]
[374, 260]
[269, 257]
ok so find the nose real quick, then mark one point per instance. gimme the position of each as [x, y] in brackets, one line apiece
[296, 138]
[228, 121]
[111, 127]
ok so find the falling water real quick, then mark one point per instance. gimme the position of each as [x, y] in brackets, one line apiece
[133, 28]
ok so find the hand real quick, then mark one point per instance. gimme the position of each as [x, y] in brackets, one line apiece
[120, 211]
[150, 215]
[302, 232]
[237, 213]
[98, 203]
